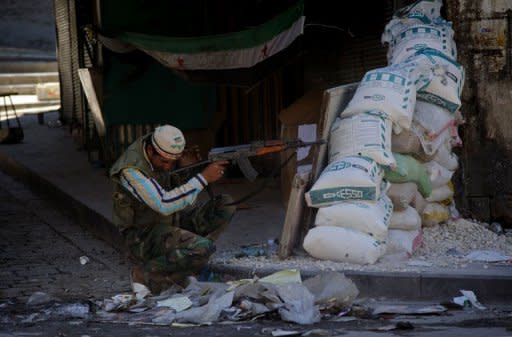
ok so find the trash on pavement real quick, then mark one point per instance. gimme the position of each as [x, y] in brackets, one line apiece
[166, 318]
[497, 228]
[253, 250]
[69, 310]
[461, 301]
[282, 277]
[299, 304]
[119, 302]
[201, 292]
[38, 298]
[84, 260]
[178, 303]
[207, 313]
[472, 299]
[254, 308]
[487, 256]
[203, 303]
[140, 290]
[332, 288]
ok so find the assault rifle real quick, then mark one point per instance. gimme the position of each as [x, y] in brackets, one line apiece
[240, 154]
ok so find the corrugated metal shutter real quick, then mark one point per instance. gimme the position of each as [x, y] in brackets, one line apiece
[67, 56]
[342, 52]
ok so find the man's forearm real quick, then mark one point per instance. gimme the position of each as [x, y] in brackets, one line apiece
[149, 191]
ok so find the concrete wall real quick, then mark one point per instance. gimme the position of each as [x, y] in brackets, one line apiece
[484, 38]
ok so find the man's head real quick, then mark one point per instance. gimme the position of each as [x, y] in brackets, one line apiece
[166, 147]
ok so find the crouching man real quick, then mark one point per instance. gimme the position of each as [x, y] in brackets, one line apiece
[168, 236]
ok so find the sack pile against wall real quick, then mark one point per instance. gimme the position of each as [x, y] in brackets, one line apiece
[390, 150]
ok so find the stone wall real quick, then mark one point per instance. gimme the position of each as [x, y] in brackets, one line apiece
[484, 40]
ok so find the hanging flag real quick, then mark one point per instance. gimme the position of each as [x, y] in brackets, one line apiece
[241, 49]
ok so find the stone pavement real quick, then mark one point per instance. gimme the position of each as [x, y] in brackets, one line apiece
[41, 250]
[48, 160]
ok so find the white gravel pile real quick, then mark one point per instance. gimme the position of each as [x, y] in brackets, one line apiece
[462, 236]
[444, 247]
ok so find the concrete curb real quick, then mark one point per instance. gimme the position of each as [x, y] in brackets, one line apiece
[407, 286]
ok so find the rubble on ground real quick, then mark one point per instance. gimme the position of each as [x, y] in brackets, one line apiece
[444, 246]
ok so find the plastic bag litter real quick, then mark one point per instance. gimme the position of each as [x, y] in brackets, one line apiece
[299, 304]
[332, 288]
[118, 302]
[472, 298]
[201, 292]
[166, 318]
[487, 256]
[282, 277]
[69, 310]
[177, 303]
[254, 308]
[38, 298]
[140, 290]
[209, 312]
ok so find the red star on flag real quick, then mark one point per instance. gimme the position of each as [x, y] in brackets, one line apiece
[181, 62]
[264, 51]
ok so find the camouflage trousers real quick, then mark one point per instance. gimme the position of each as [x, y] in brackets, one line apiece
[185, 248]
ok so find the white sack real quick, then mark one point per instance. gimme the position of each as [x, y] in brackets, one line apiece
[433, 125]
[439, 175]
[402, 195]
[366, 134]
[445, 85]
[434, 214]
[408, 219]
[352, 178]
[419, 203]
[425, 11]
[391, 90]
[406, 142]
[400, 241]
[405, 37]
[368, 217]
[343, 245]
[446, 158]
[440, 194]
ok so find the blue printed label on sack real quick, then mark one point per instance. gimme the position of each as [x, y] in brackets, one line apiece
[330, 195]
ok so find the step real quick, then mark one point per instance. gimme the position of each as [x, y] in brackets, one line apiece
[18, 60]
[29, 103]
[19, 66]
[26, 54]
[20, 89]
[28, 78]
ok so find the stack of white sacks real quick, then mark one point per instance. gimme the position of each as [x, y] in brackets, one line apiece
[390, 151]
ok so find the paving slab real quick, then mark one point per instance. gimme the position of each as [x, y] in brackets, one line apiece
[50, 162]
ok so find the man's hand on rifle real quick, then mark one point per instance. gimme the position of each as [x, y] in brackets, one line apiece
[214, 171]
[190, 156]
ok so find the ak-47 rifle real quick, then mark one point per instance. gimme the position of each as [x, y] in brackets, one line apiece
[240, 154]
